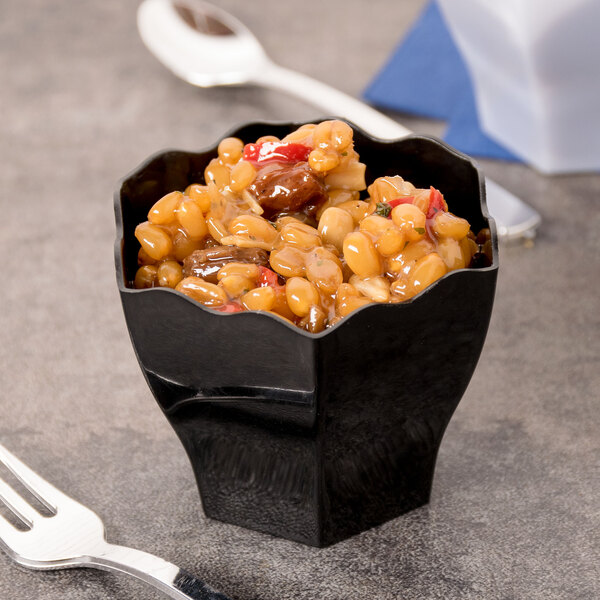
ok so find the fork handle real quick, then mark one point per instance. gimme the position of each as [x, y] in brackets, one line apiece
[163, 575]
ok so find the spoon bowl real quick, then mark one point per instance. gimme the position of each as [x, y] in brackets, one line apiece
[201, 43]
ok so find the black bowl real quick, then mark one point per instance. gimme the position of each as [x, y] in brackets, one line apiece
[311, 437]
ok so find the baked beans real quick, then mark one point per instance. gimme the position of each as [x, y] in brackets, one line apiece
[289, 226]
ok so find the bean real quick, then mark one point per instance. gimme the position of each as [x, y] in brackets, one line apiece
[235, 285]
[248, 270]
[190, 217]
[281, 306]
[230, 149]
[375, 225]
[199, 193]
[169, 273]
[206, 293]
[361, 256]
[322, 134]
[155, 241]
[324, 272]
[300, 235]
[446, 224]
[357, 209]
[183, 245]
[322, 161]
[400, 289]
[145, 277]
[218, 202]
[301, 295]
[328, 253]
[262, 298]
[413, 251]
[217, 172]
[163, 211]
[340, 136]
[348, 300]
[242, 175]
[390, 242]
[344, 291]
[287, 261]
[384, 189]
[334, 225]
[144, 259]
[254, 228]
[427, 270]
[267, 138]
[315, 321]
[410, 220]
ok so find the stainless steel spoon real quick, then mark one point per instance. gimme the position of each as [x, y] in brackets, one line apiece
[206, 46]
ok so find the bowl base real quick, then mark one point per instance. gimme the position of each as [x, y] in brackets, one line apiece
[287, 484]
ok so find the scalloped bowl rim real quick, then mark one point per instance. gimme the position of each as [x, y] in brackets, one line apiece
[263, 314]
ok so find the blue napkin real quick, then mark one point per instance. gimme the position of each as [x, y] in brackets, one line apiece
[427, 76]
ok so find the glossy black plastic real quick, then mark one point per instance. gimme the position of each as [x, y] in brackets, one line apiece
[311, 437]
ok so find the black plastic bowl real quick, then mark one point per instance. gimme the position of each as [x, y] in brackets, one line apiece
[311, 437]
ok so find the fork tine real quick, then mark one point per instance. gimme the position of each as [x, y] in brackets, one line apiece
[19, 507]
[8, 533]
[46, 493]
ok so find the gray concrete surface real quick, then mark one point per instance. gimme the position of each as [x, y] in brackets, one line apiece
[514, 511]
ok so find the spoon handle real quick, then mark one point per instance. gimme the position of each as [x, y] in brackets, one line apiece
[330, 100]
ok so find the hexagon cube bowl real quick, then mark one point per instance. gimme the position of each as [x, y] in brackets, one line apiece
[311, 437]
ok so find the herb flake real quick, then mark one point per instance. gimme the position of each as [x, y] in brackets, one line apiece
[383, 209]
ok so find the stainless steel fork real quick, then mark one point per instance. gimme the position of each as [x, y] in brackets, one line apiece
[73, 536]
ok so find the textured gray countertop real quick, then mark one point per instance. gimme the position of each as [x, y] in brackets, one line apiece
[514, 509]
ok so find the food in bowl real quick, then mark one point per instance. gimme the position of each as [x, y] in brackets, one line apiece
[279, 225]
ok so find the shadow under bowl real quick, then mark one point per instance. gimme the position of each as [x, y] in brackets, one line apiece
[311, 437]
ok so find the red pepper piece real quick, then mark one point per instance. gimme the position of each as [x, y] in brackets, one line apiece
[276, 152]
[403, 200]
[267, 278]
[230, 307]
[436, 203]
